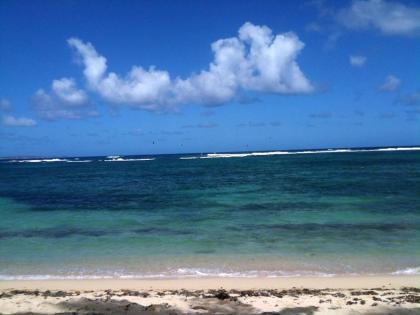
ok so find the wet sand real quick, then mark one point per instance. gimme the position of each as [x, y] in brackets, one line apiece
[214, 283]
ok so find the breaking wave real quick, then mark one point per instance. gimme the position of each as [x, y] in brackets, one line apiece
[408, 271]
[50, 161]
[119, 159]
[172, 274]
[198, 273]
[40, 160]
[239, 155]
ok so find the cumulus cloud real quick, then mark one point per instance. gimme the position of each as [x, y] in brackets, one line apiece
[66, 91]
[390, 18]
[63, 100]
[10, 120]
[357, 61]
[391, 83]
[255, 60]
[13, 121]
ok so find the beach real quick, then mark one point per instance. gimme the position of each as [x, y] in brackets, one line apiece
[303, 295]
[209, 157]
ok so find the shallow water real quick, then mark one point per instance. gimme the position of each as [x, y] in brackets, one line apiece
[323, 213]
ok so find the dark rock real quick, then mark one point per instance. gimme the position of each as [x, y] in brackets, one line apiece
[339, 295]
[24, 292]
[222, 295]
[368, 292]
[253, 293]
[5, 295]
[410, 290]
[58, 294]
[134, 293]
[412, 298]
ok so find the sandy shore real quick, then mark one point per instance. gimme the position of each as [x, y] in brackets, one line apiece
[309, 296]
[214, 283]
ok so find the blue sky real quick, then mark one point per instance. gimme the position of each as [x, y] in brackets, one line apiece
[149, 77]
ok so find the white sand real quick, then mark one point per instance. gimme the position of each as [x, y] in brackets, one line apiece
[339, 295]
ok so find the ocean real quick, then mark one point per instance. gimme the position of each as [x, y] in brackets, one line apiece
[253, 214]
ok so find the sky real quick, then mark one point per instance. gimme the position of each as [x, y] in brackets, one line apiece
[83, 78]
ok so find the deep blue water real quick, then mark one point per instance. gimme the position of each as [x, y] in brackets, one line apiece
[192, 215]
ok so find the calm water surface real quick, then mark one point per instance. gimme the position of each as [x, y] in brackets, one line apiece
[167, 216]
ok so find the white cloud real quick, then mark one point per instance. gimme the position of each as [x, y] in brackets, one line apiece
[10, 120]
[64, 100]
[255, 60]
[391, 18]
[5, 105]
[357, 61]
[391, 84]
[66, 91]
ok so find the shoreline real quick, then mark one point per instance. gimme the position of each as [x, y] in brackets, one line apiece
[336, 282]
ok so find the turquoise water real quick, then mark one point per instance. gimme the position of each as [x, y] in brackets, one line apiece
[274, 214]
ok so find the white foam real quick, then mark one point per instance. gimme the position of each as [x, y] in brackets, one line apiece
[398, 149]
[171, 274]
[53, 277]
[200, 272]
[119, 159]
[25, 161]
[78, 161]
[408, 271]
[40, 160]
[239, 155]
[55, 160]
[113, 159]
